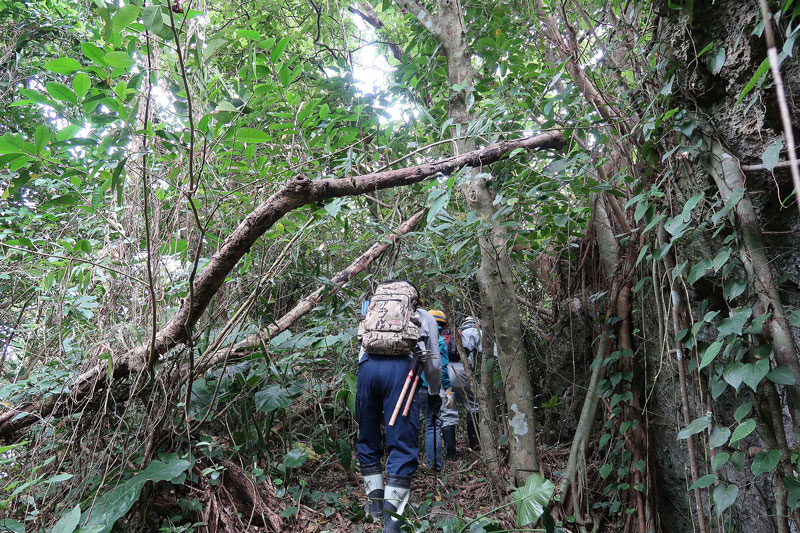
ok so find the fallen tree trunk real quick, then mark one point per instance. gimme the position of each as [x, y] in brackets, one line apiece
[297, 192]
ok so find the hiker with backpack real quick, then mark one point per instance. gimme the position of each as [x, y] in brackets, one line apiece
[433, 441]
[471, 340]
[399, 343]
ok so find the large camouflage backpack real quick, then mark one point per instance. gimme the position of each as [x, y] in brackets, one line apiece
[389, 326]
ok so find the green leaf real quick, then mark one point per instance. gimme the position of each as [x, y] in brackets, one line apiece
[68, 133]
[734, 288]
[719, 436]
[792, 486]
[278, 50]
[719, 460]
[58, 478]
[772, 154]
[742, 430]
[68, 199]
[81, 84]
[126, 14]
[752, 374]
[295, 458]
[765, 462]
[735, 322]
[153, 21]
[11, 525]
[742, 411]
[794, 319]
[63, 65]
[273, 397]
[69, 521]
[252, 135]
[532, 499]
[94, 53]
[285, 76]
[442, 199]
[731, 375]
[560, 220]
[762, 69]
[118, 60]
[703, 482]
[710, 353]
[112, 505]
[782, 376]
[324, 111]
[696, 426]
[250, 35]
[41, 138]
[61, 92]
[734, 198]
[698, 270]
[724, 496]
[716, 61]
[721, 258]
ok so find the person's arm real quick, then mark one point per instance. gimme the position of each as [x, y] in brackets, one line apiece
[445, 356]
[433, 363]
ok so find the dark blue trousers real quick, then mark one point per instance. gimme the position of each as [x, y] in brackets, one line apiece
[380, 381]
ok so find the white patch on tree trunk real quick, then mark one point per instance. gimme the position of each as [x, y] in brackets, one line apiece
[518, 421]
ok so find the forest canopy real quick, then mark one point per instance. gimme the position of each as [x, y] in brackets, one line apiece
[197, 197]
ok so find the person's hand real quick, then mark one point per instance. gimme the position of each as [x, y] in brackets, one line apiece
[435, 403]
[449, 398]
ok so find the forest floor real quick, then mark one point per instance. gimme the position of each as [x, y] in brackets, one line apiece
[454, 496]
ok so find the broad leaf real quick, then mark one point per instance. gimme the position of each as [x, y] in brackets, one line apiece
[61, 92]
[696, 426]
[69, 521]
[532, 498]
[703, 482]
[153, 21]
[765, 462]
[252, 135]
[126, 14]
[735, 322]
[295, 458]
[752, 374]
[278, 50]
[710, 353]
[742, 430]
[118, 59]
[63, 65]
[724, 496]
[772, 154]
[719, 436]
[113, 505]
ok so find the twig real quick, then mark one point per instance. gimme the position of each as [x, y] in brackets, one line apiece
[78, 259]
[786, 117]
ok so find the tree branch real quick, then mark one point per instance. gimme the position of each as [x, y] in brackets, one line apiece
[297, 192]
[431, 22]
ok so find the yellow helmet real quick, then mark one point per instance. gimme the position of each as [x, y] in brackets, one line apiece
[439, 316]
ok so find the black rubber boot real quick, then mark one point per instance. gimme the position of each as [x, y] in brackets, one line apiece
[398, 489]
[373, 485]
[375, 504]
[472, 434]
[449, 438]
